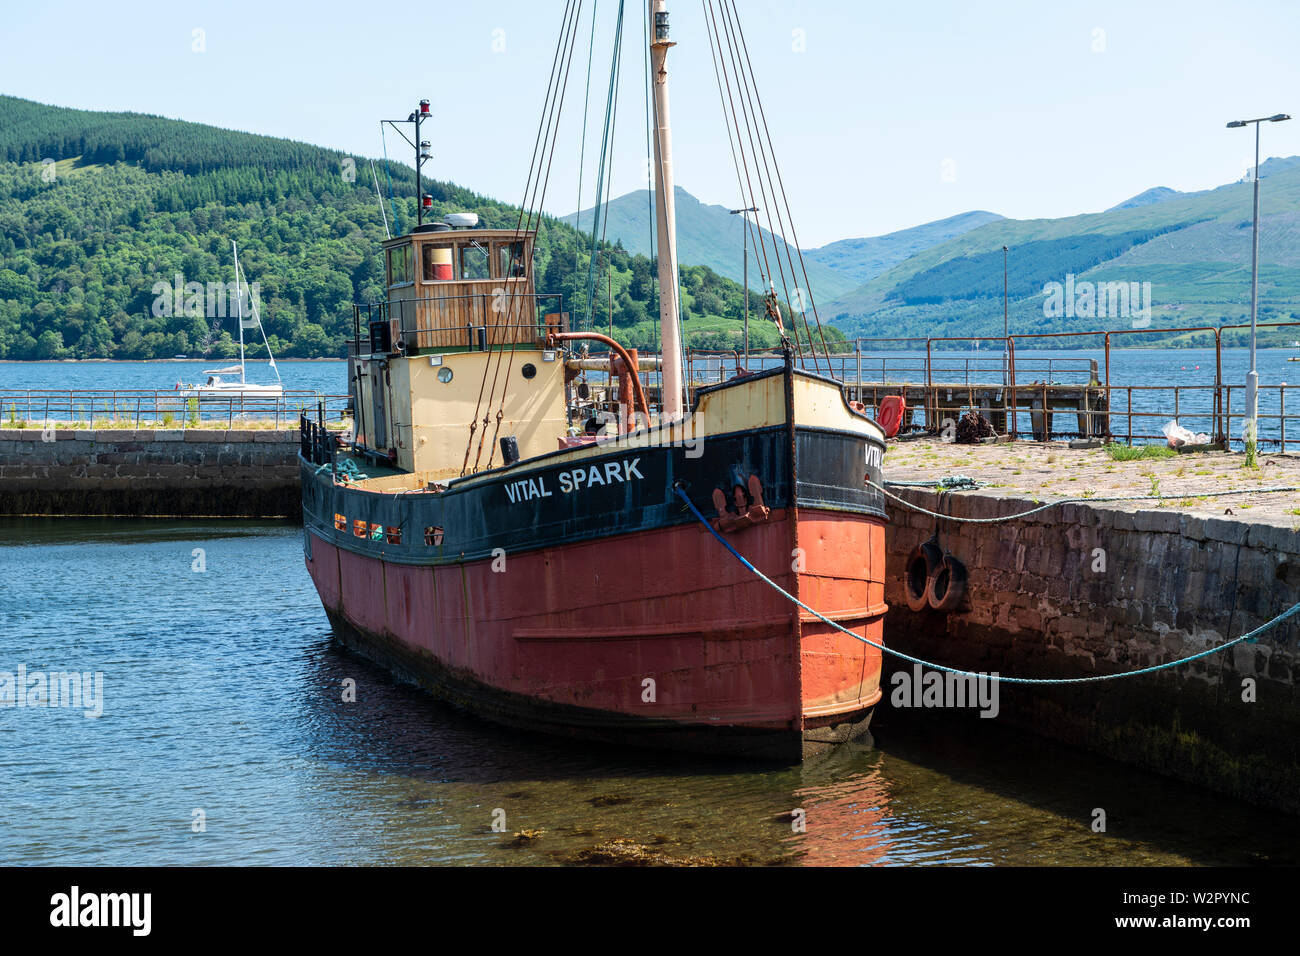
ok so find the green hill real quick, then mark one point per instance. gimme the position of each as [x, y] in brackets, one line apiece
[1193, 249]
[131, 200]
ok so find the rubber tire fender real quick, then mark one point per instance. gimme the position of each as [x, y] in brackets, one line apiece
[920, 568]
[946, 586]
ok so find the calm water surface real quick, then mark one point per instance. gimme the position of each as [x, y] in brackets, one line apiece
[223, 693]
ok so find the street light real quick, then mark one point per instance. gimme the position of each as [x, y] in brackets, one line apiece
[1006, 322]
[1252, 377]
[745, 252]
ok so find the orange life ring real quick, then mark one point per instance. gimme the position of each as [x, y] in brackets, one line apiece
[890, 414]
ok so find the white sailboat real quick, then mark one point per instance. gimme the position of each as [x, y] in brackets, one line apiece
[216, 385]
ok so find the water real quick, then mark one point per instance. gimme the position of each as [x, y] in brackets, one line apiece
[223, 693]
[330, 377]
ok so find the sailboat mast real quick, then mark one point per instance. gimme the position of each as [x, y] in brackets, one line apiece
[666, 216]
[239, 310]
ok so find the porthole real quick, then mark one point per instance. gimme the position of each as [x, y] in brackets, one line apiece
[529, 370]
[444, 374]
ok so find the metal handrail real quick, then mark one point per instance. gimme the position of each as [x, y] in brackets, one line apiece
[131, 407]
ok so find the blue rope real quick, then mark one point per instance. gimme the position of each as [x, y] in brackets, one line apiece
[1251, 635]
[347, 469]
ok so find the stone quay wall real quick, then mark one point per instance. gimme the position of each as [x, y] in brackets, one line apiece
[1082, 589]
[176, 472]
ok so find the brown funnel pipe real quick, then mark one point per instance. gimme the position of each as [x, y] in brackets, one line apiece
[628, 362]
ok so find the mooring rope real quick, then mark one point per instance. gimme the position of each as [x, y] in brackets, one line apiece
[1065, 501]
[347, 470]
[1251, 635]
[946, 483]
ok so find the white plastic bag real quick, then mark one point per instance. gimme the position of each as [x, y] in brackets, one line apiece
[1176, 436]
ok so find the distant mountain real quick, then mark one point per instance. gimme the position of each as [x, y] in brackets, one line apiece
[706, 236]
[1150, 197]
[864, 259]
[1193, 249]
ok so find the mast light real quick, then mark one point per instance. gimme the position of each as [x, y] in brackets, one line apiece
[661, 24]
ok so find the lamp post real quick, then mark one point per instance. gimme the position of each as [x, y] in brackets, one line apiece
[1006, 322]
[1252, 377]
[745, 252]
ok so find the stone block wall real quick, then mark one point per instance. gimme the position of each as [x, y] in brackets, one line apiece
[181, 472]
[1081, 590]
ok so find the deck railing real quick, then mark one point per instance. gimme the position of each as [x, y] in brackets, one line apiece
[474, 321]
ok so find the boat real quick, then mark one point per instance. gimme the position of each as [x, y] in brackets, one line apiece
[216, 386]
[480, 532]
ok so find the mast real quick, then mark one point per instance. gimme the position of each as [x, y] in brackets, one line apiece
[666, 217]
[239, 310]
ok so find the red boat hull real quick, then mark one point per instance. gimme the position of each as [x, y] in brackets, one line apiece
[656, 637]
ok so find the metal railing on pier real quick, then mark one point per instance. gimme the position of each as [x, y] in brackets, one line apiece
[150, 408]
[1043, 397]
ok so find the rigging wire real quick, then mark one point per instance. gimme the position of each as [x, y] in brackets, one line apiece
[586, 100]
[539, 201]
[729, 110]
[568, 28]
[605, 164]
[763, 169]
[388, 172]
[781, 183]
[736, 161]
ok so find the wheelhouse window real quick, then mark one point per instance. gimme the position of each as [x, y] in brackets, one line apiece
[438, 262]
[399, 265]
[475, 262]
[510, 256]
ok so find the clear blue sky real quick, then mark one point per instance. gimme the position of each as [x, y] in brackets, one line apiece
[1038, 113]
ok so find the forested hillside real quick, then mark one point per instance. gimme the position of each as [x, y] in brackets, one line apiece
[130, 201]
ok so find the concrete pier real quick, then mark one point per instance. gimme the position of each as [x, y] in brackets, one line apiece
[195, 472]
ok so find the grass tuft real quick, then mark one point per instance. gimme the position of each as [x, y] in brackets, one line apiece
[1117, 452]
